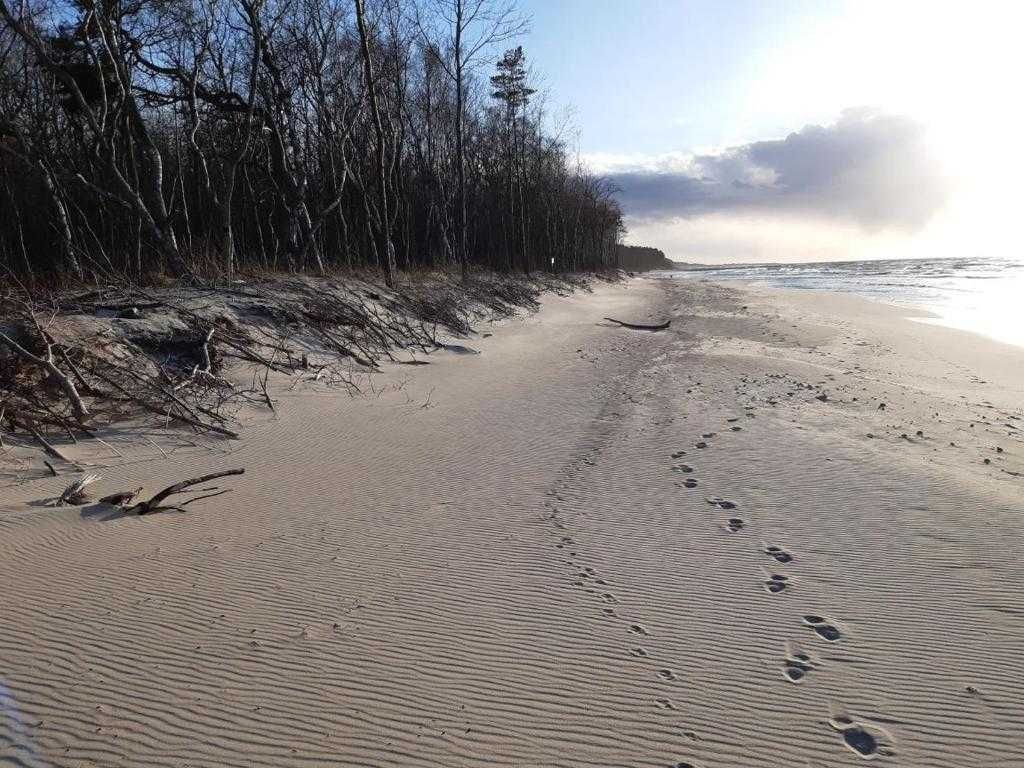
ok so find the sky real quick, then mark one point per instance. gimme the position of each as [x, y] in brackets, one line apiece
[739, 131]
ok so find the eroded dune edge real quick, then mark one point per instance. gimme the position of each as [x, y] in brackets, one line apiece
[586, 546]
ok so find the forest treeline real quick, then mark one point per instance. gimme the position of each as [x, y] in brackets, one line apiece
[640, 258]
[206, 137]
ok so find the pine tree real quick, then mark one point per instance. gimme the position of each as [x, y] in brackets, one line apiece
[511, 89]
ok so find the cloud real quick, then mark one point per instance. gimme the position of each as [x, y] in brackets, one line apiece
[868, 169]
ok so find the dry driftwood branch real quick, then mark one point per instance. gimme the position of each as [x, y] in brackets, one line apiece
[641, 326]
[50, 449]
[206, 496]
[199, 375]
[47, 364]
[204, 352]
[75, 494]
[266, 396]
[204, 372]
[120, 498]
[171, 396]
[146, 405]
[82, 383]
[153, 504]
[246, 353]
[54, 418]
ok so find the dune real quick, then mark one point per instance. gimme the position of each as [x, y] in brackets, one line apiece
[785, 530]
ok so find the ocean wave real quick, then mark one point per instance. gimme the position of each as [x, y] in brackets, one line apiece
[963, 286]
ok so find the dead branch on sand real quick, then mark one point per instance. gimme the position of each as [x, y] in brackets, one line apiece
[641, 326]
[47, 364]
[119, 499]
[75, 494]
[50, 449]
[187, 418]
[153, 504]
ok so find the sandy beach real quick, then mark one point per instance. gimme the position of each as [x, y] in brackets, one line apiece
[787, 531]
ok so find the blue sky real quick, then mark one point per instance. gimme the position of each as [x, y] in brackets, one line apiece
[660, 75]
[794, 131]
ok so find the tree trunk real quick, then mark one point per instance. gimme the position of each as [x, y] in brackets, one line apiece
[460, 148]
[386, 248]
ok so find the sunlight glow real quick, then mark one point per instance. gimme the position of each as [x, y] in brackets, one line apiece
[954, 67]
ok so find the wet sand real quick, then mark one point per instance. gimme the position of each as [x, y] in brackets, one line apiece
[586, 546]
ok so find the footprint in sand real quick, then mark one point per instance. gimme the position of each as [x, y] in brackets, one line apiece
[640, 653]
[734, 525]
[862, 740]
[689, 483]
[608, 597]
[664, 704]
[666, 674]
[319, 631]
[822, 627]
[708, 435]
[684, 468]
[678, 454]
[796, 666]
[776, 583]
[638, 629]
[721, 503]
[700, 444]
[778, 553]
[736, 429]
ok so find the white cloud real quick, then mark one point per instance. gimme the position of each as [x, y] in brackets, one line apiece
[868, 169]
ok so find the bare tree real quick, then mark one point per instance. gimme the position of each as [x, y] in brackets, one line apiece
[99, 31]
[216, 136]
[387, 248]
[469, 28]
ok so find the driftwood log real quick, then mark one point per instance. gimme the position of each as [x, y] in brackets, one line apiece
[641, 326]
[154, 504]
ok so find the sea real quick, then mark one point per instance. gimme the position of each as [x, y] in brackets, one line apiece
[982, 295]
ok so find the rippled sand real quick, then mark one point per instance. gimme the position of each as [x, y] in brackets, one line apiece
[586, 546]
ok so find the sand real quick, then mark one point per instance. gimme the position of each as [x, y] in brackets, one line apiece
[586, 546]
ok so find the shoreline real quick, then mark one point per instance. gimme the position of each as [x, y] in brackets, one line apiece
[585, 546]
[943, 313]
[928, 315]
